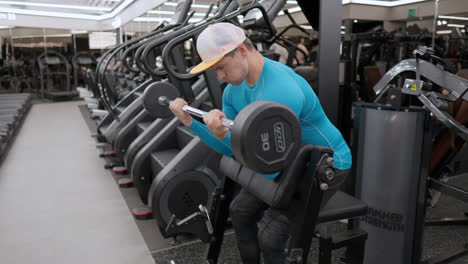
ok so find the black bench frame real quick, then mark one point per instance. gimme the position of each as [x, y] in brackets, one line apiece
[309, 201]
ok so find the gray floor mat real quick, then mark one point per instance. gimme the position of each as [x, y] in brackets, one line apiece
[58, 204]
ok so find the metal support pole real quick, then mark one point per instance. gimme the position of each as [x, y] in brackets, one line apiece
[329, 57]
[15, 64]
[46, 70]
[1, 54]
[434, 25]
[11, 42]
[348, 23]
[74, 44]
[118, 35]
[75, 71]
[7, 50]
[45, 40]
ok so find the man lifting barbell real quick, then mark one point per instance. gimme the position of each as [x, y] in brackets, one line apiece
[225, 49]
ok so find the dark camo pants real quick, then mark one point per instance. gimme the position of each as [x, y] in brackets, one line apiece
[269, 236]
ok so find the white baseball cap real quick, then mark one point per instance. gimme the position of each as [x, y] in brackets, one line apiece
[216, 41]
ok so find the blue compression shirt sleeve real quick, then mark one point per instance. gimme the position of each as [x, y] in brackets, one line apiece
[220, 146]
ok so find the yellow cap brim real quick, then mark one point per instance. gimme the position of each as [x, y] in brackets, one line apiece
[204, 65]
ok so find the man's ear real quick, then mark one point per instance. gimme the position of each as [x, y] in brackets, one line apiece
[243, 49]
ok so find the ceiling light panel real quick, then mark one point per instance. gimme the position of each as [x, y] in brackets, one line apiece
[453, 17]
[456, 25]
[193, 5]
[49, 13]
[382, 3]
[124, 4]
[80, 7]
[440, 32]
[170, 13]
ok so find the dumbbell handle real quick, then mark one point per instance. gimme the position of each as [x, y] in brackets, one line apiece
[196, 112]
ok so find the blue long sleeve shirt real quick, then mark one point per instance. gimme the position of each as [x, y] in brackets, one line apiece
[281, 84]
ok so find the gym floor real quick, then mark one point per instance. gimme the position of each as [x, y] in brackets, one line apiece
[59, 204]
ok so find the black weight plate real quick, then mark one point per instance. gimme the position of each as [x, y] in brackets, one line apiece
[181, 195]
[152, 94]
[265, 137]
